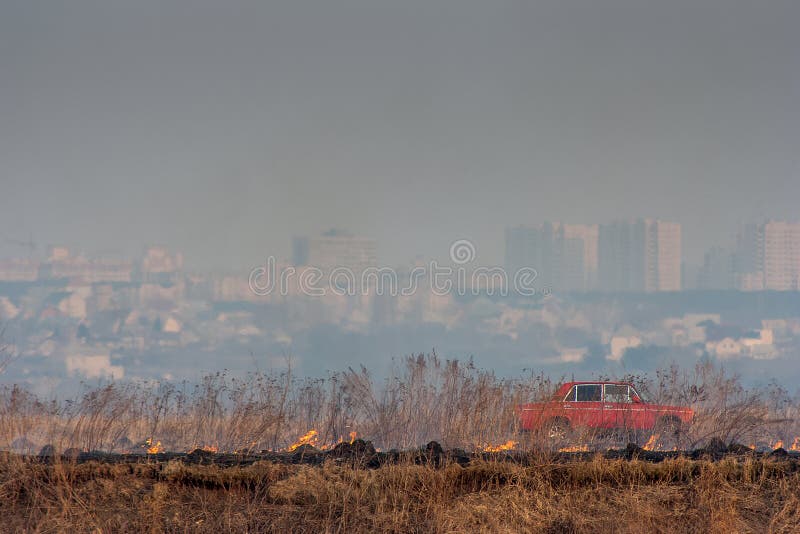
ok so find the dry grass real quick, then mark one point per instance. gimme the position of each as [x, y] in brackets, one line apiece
[679, 495]
[424, 399]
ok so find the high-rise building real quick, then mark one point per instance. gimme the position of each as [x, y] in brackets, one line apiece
[781, 255]
[580, 251]
[641, 255]
[531, 247]
[664, 256]
[335, 248]
[621, 256]
[748, 267]
[564, 255]
[768, 257]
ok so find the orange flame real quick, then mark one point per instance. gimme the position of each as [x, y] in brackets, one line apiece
[778, 444]
[352, 436]
[795, 445]
[153, 448]
[507, 446]
[309, 438]
[652, 443]
[575, 448]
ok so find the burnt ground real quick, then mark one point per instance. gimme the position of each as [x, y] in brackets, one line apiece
[362, 454]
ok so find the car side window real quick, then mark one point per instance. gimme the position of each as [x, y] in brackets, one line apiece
[588, 393]
[617, 393]
[569, 397]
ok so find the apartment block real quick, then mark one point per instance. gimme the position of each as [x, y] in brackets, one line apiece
[564, 255]
[641, 255]
[768, 257]
[335, 248]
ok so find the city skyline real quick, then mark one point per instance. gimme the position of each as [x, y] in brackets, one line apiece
[316, 264]
[643, 255]
[626, 153]
[70, 317]
[219, 131]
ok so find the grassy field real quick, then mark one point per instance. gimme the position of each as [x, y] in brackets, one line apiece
[743, 494]
[425, 399]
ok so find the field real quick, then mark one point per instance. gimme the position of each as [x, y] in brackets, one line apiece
[272, 452]
[417, 493]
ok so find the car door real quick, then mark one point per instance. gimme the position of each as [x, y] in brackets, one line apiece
[617, 404]
[641, 416]
[588, 405]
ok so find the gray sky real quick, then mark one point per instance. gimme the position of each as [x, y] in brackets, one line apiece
[223, 128]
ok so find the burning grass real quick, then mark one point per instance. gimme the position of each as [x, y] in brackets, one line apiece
[425, 399]
[676, 495]
[272, 452]
[509, 445]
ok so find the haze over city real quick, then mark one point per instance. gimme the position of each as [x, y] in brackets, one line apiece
[399, 266]
[640, 159]
[222, 131]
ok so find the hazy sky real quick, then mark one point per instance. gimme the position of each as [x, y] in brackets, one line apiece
[223, 128]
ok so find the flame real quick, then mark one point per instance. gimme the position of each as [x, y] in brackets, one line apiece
[507, 446]
[778, 444]
[209, 448]
[312, 438]
[309, 438]
[575, 448]
[652, 443]
[795, 445]
[153, 448]
[328, 446]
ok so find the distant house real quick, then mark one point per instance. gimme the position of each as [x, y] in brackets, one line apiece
[725, 348]
[759, 347]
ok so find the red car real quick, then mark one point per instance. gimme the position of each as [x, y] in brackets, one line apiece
[600, 405]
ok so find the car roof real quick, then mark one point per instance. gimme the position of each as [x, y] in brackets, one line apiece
[612, 382]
